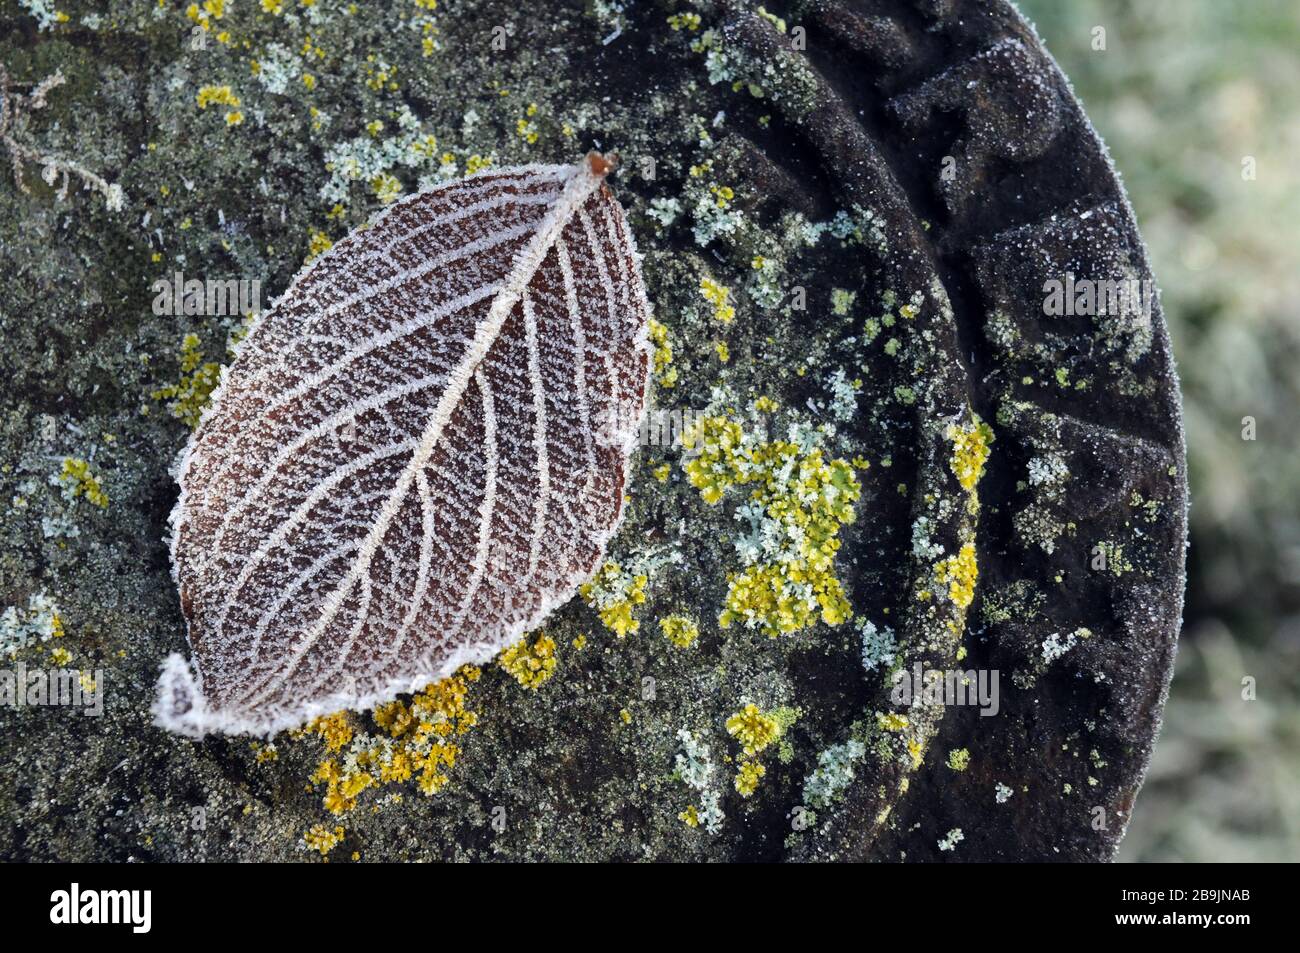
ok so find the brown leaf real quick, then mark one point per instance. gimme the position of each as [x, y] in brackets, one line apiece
[418, 453]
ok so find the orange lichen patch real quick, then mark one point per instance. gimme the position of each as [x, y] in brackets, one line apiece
[335, 730]
[413, 740]
[322, 839]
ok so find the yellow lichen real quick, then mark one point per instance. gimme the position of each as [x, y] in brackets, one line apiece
[715, 466]
[748, 776]
[664, 371]
[77, 480]
[613, 593]
[891, 721]
[317, 245]
[387, 188]
[219, 95]
[806, 501]
[187, 399]
[334, 730]
[679, 630]
[718, 296]
[526, 125]
[322, 839]
[722, 195]
[379, 74]
[970, 451]
[265, 753]
[753, 729]
[415, 740]
[959, 574]
[530, 664]
[756, 731]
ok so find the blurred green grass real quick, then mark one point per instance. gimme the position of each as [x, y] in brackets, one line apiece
[1184, 90]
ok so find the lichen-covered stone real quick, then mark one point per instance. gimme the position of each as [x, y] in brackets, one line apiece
[827, 296]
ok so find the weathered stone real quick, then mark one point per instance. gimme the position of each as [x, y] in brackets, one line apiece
[964, 176]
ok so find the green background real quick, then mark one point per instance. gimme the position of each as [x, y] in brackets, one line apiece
[1184, 90]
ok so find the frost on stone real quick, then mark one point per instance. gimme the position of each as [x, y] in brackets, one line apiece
[1056, 645]
[416, 455]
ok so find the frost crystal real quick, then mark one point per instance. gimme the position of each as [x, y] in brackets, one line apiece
[417, 454]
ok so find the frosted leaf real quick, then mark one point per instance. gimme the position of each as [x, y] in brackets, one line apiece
[418, 453]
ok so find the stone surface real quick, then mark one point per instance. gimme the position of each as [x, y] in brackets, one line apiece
[818, 176]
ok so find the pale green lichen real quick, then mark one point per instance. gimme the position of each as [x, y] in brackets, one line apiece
[187, 399]
[695, 768]
[77, 481]
[21, 627]
[833, 774]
